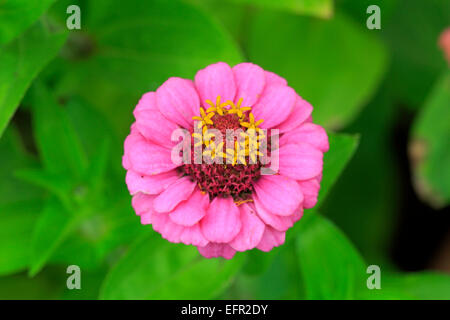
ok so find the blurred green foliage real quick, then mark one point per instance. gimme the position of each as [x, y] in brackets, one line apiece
[430, 145]
[63, 199]
[21, 60]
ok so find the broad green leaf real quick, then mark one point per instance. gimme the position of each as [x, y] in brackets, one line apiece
[430, 146]
[20, 204]
[95, 133]
[52, 228]
[59, 146]
[258, 261]
[279, 278]
[230, 14]
[411, 286]
[412, 35]
[57, 184]
[358, 10]
[17, 221]
[330, 266]
[366, 194]
[335, 64]
[342, 148]
[20, 62]
[90, 286]
[137, 46]
[96, 222]
[14, 157]
[78, 250]
[319, 8]
[18, 15]
[47, 285]
[103, 234]
[157, 269]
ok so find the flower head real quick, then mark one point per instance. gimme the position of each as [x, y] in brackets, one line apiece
[241, 121]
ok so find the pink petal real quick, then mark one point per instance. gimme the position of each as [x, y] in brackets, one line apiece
[142, 203]
[251, 231]
[298, 214]
[281, 223]
[178, 101]
[310, 189]
[191, 211]
[193, 235]
[300, 113]
[270, 239]
[125, 159]
[126, 162]
[173, 232]
[146, 218]
[147, 102]
[278, 194]
[178, 191]
[250, 82]
[214, 250]
[275, 105]
[146, 157]
[143, 206]
[222, 221]
[310, 133]
[150, 184]
[215, 80]
[155, 127]
[273, 78]
[300, 161]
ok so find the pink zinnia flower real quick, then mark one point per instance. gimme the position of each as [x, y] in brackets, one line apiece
[224, 208]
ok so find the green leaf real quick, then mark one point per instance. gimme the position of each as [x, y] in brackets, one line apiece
[358, 10]
[57, 141]
[20, 204]
[17, 157]
[17, 221]
[258, 261]
[103, 234]
[18, 15]
[98, 216]
[367, 194]
[319, 8]
[342, 148]
[137, 46]
[20, 62]
[418, 54]
[278, 279]
[412, 286]
[47, 285]
[91, 282]
[230, 14]
[92, 127]
[52, 228]
[331, 267]
[57, 184]
[430, 146]
[335, 64]
[157, 269]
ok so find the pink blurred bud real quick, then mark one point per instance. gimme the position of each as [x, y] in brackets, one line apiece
[444, 43]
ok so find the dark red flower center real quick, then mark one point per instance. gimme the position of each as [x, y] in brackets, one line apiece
[224, 180]
[233, 174]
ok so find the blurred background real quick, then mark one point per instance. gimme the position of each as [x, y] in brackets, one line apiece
[66, 102]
